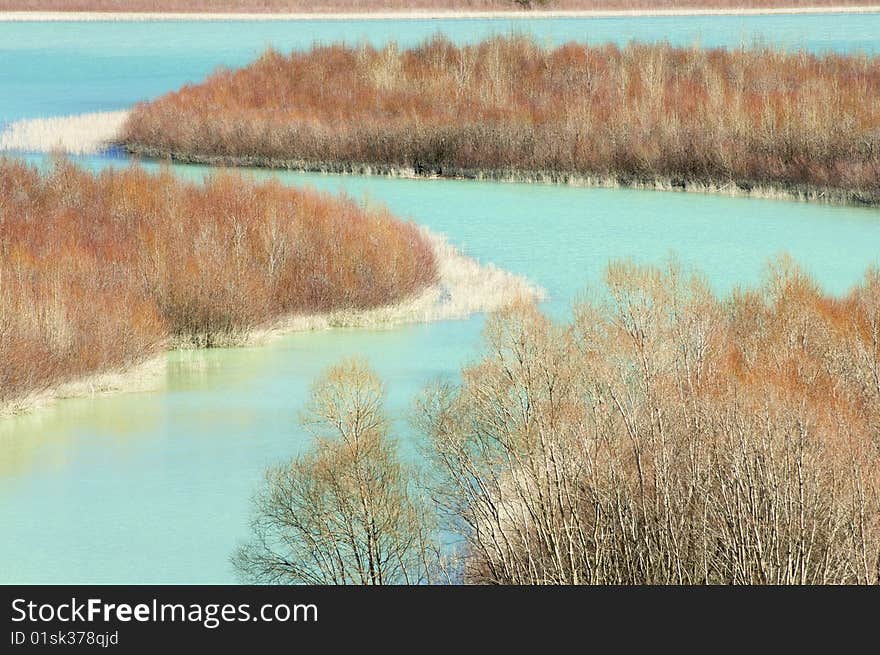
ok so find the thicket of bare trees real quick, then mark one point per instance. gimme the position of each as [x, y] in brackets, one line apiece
[797, 122]
[348, 511]
[99, 271]
[328, 6]
[663, 436]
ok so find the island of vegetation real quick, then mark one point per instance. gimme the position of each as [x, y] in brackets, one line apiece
[757, 121]
[664, 436]
[100, 272]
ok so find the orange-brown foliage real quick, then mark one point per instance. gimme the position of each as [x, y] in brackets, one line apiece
[99, 271]
[667, 436]
[641, 112]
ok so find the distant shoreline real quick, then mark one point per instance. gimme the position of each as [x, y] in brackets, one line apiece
[76, 16]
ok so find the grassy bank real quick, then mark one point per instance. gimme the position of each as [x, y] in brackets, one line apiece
[100, 272]
[507, 107]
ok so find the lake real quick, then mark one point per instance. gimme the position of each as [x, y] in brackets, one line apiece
[154, 487]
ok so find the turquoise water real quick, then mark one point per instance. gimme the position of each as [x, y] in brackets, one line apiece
[154, 487]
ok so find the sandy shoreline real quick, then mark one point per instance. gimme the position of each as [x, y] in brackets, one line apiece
[58, 16]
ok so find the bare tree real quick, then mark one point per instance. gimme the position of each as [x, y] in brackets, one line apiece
[349, 511]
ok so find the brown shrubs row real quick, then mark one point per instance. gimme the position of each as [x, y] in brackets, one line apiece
[257, 6]
[509, 106]
[99, 271]
[667, 436]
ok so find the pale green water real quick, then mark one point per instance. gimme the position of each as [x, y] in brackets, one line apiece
[154, 487]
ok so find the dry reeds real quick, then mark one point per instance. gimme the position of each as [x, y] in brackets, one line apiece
[667, 436]
[349, 511]
[339, 6]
